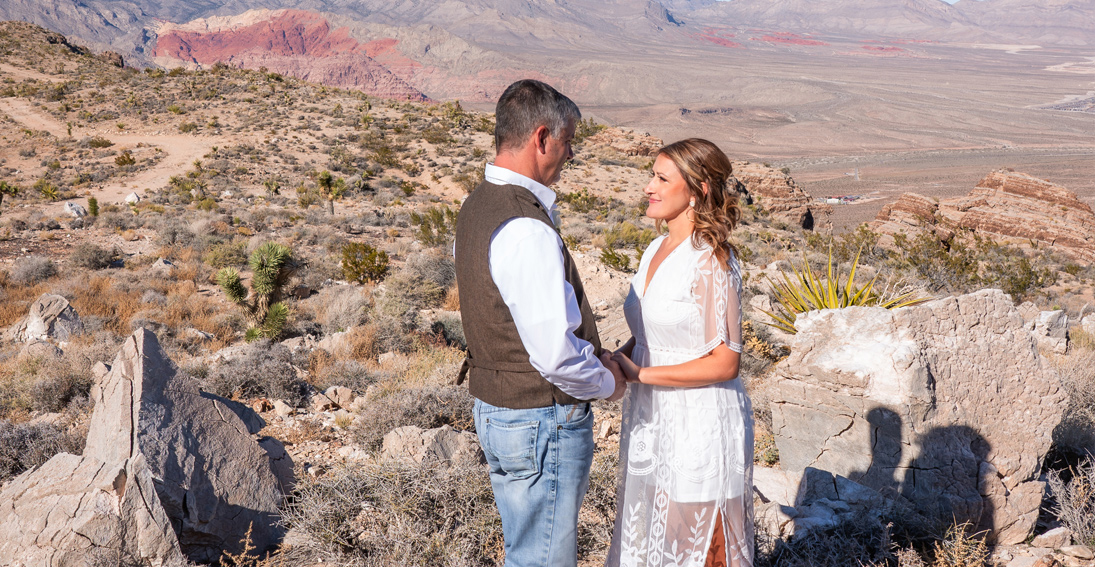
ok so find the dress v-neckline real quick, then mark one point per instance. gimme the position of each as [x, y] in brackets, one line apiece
[648, 277]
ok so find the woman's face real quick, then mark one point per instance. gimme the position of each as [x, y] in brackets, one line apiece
[667, 191]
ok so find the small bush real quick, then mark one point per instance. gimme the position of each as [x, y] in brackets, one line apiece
[92, 257]
[264, 369]
[436, 226]
[188, 127]
[363, 263]
[23, 446]
[343, 308]
[124, 159]
[395, 513]
[426, 407]
[616, 260]
[1074, 501]
[93, 206]
[99, 142]
[33, 269]
[960, 548]
[628, 235]
[226, 255]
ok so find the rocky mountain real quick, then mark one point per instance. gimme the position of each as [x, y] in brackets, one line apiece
[1058, 22]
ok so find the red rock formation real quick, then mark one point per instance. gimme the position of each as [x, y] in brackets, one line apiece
[1004, 204]
[777, 193]
[296, 43]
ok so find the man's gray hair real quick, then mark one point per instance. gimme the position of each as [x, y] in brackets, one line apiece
[525, 106]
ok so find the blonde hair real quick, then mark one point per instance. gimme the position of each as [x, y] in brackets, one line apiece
[716, 212]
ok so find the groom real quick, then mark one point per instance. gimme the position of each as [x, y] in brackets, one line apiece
[534, 357]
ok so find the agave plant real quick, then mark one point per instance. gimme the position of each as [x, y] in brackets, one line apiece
[805, 290]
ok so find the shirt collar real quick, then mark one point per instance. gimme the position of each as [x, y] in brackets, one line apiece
[503, 176]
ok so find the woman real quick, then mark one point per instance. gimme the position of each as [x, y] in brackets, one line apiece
[686, 448]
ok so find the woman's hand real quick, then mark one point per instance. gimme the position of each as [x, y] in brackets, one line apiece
[630, 369]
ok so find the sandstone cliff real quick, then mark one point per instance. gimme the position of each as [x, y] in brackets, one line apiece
[1004, 204]
[777, 193]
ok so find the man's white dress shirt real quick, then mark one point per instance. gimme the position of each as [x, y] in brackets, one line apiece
[526, 264]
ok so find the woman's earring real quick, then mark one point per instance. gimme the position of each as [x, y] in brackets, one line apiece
[691, 202]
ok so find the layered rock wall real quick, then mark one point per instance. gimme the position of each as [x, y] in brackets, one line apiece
[1004, 204]
[777, 193]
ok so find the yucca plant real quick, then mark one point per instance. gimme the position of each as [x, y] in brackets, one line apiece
[272, 265]
[805, 290]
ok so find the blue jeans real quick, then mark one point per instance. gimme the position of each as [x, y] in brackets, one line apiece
[539, 463]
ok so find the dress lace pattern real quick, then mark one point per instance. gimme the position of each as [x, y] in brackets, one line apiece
[686, 453]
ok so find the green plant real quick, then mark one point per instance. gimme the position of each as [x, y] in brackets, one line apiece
[581, 201]
[188, 127]
[616, 260]
[7, 189]
[49, 191]
[99, 142]
[272, 265]
[629, 235]
[586, 128]
[93, 206]
[436, 226]
[947, 266]
[124, 159]
[806, 290]
[363, 263]
[332, 188]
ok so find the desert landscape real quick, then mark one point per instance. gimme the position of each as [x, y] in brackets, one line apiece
[229, 310]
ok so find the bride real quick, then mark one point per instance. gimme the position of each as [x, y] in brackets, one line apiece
[686, 449]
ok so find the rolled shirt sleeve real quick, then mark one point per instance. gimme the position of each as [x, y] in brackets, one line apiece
[526, 264]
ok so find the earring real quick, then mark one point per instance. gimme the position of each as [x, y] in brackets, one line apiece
[691, 202]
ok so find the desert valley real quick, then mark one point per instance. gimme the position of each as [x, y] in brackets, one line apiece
[229, 320]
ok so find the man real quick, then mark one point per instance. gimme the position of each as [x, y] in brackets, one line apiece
[534, 357]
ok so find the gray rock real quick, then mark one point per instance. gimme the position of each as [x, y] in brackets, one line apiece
[50, 317]
[948, 405]
[40, 349]
[76, 210]
[443, 445]
[1078, 551]
[1053, 539]
[342, 396]
[77, 511]
[212, 478]
[1050, 329]
[133, 198]
[282, 409]
[320, 402]
[161, 267]
[335, 342]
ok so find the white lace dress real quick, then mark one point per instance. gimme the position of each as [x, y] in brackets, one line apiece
[686, 454]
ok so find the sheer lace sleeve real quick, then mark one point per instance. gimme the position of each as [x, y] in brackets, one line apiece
[717, 291]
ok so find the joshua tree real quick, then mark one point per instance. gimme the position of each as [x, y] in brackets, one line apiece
[332, 187]
[272, 265]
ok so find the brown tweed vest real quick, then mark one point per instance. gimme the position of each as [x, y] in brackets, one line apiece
[497, 365]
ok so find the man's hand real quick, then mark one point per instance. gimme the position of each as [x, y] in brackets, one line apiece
[627, 366]
[621, 380]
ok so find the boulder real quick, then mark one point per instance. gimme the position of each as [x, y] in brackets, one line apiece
[161, 267]
[1050, 329]
[213, 479]
[77, 511]
[948, 405]
[443, 444]
[1053, 539]
[777, 193]
[342, 396]
[50, 317]
[76, 210]
[133, 198]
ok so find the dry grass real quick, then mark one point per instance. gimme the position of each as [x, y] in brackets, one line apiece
[16, 298]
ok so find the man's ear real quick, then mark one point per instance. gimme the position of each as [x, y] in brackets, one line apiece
[541, 136]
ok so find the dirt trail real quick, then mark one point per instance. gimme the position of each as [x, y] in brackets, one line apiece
[180, 151]
[19, 73]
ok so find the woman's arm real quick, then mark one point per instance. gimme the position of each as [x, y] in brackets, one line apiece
[720, 365]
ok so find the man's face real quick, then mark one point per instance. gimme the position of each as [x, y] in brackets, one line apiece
[558, 153]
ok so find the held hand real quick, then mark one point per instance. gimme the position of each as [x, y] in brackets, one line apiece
[628, 366]
[617, 374]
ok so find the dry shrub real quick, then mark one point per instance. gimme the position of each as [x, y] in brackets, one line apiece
[392, 513]
[426, 407]
[16, 299]
[344, 307]
[26, 445]
[33, 269]
[186, 308]
[960, 548]
[864, 542]
[263, 369]
[452, 299]
[48, 383]
[92, 257]
[98, 297]
[598, 513]
[1074, 500]
[1076, 432]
